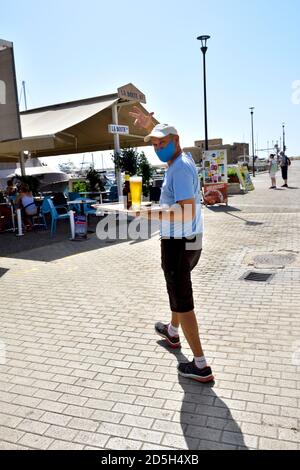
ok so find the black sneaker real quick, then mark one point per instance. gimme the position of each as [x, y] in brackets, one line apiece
[162, 330]
[191, 371]
[284, 186]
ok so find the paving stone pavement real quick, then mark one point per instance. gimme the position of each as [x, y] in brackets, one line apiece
[81, 366]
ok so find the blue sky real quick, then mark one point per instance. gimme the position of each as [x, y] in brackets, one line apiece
[67, 50]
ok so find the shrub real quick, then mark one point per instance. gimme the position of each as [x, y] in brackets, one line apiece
[127, 160]
[79, 187]
[146, 171]
[133, 163]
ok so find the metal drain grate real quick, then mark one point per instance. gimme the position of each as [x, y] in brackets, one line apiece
[274, 259]
[257, 277]
[3, 271]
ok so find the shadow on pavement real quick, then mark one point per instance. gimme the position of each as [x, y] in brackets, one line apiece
[3, 271]
[40, 246]
[248, 222]
[223, 209]
[205, 419]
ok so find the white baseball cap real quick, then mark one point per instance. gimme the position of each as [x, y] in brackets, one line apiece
[160, 131]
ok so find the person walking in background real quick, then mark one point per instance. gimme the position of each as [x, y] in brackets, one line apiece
[273, 168]
[181, 237]
[284, 163]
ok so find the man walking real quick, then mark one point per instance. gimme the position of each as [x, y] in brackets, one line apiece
[181, 241]
[284, 162]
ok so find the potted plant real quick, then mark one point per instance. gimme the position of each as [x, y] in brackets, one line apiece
[232, 176]
[234, 186]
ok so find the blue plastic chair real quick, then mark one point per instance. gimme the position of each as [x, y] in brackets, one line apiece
[88, 210]
[113, 193]
[39, 220]
[72, 196]
[48, 207]
[60, 202]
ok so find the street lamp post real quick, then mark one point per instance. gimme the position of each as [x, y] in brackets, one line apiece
[283, 137]
[253, 166]
[204, 40]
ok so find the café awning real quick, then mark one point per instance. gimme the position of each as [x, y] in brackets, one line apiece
[74, 127]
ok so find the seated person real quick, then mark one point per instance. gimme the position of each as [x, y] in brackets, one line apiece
[11, 189]
[26, 202]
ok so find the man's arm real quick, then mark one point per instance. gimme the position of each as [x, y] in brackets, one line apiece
[184, 211]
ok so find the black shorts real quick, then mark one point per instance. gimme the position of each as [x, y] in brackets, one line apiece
[284, 172]
[179, 256]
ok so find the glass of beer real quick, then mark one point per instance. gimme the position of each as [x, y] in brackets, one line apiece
[136, 191]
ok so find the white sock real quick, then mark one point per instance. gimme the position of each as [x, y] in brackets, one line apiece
[172, 330]
[200, 362]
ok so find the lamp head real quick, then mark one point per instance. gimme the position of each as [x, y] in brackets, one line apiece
[204, 38]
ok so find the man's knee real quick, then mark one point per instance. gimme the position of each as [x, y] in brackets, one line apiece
[171, 277]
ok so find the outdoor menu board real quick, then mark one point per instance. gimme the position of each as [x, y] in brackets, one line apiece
[215, 177]
[80, 226]
[245, 178]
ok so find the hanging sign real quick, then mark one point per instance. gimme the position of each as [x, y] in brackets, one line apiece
[118, 129]
[131, 93]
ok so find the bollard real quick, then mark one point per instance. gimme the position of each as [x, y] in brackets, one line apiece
[72, 225]
[20, 231]
[13, 218]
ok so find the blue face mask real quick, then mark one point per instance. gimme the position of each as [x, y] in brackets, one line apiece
[167, 153]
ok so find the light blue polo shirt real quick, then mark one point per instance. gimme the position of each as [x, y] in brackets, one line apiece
[181, 182]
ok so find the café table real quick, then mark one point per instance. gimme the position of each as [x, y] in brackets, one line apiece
[93, 193]
[81, 202]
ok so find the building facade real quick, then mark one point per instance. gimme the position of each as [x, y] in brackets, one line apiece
[235, 152]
